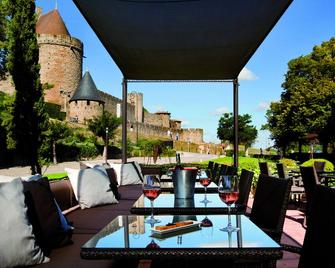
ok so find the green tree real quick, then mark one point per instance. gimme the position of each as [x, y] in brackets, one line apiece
[29, 117]
[247, 133]
[104, 126]
[58, 130]
[3, 50]
[307, 101]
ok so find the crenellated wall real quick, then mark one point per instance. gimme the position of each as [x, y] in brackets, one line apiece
[112, 102]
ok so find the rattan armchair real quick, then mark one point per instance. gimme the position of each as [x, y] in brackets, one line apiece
[264, 168]
[317, 249]
[244, 189]
[310, 180]
[270, 204]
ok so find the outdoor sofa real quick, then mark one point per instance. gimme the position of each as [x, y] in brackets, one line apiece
[87, 222]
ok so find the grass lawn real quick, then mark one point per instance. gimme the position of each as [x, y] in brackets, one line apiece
[55, 176]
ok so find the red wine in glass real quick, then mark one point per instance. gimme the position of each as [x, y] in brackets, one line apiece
[228, 197]
[228, 192]
[152, 192]
[205, 181]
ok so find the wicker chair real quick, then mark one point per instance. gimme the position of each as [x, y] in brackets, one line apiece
[222, 171]
[319, 166]
[264, 168]
[317, 249]
[310, 180]
[244, 189]
[210, 165]
[281, 170]
[270, 204]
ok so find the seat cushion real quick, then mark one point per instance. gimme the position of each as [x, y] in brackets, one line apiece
[44, 216]
[18, 246]
[91, 187]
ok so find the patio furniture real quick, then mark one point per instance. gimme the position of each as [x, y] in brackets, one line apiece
[297, 190]
[270, 204]
[310, 180]
[210, 165]
[317, 250]
[128, 237]
[319, 166]
[244, 189]
[264, 168]
[167, 204]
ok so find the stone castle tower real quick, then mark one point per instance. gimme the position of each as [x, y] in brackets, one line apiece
[136, 99]
[60, 58]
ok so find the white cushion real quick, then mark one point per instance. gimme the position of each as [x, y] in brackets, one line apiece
[126, 173]
[17, 244]
[91, 187]
[4, 178]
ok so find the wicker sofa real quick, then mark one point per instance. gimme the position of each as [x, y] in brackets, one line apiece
[86, 222]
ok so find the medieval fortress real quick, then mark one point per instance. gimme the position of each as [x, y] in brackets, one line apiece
[61, 61]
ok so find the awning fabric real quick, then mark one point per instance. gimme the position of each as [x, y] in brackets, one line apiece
[182, 40]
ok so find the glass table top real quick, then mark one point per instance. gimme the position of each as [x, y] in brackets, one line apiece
[131, 232]
[166, 203]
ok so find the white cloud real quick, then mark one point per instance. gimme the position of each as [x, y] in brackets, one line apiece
[262, 106]
[246, 74]
[185, 123]
[159, 108]
[220, 111]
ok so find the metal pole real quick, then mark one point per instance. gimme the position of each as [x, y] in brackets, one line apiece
[235, 122]
[124, 121]
[106, 153]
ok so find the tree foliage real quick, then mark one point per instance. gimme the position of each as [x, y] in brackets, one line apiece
[247, 133]
[99, 124]
[57, 131]
[104, 126]
[29, 118]
[307, 101]
[3, 50]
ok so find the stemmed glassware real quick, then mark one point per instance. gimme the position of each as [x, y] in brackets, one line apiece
[152, 244]
[228, 192]
[205, 181]
[151, 190]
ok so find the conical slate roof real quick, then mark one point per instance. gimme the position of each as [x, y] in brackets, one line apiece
[51, 23]
[87, 90]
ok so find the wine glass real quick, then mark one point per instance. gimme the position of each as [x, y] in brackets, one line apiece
[151, 190]
[152, 244]
[205, 181]
[228, 192]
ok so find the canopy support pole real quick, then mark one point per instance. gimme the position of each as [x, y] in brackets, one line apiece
[124, 121]
[235, 83]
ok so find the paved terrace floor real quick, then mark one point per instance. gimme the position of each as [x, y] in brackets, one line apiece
[293, 230]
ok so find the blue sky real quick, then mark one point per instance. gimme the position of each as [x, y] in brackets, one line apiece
[305, 24]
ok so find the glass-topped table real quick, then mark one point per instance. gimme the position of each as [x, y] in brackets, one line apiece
[167, 186]
[130, 237]
[166, 203]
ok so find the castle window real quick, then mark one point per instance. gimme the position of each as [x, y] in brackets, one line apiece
[88, 102]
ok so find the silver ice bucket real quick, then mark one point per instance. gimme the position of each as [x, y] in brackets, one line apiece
[184, 182]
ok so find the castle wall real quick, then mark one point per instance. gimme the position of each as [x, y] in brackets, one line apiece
[111, 103]
[136, 99]
[193, 135]
[7, 86]
[162, 120]
[80, 110]
[151, 130]
[60, 58]
[174, 124]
